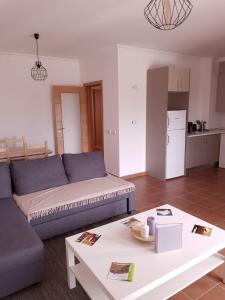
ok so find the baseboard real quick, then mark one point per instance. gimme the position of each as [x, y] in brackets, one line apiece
[134, 175]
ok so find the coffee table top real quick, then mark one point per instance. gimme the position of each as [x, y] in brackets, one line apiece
[152, 269]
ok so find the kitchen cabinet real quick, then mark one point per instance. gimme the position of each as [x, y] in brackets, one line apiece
[178, 79]
[220, 97]
[202, 150]
[159, 100]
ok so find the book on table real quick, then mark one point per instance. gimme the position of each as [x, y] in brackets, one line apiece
[168, 237]
[88, 238]
[164, 212]
[204, 230]
[121, 271]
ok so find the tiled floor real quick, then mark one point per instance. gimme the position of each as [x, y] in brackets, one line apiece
[201, 193]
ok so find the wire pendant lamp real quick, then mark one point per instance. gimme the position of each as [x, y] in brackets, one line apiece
[38, 72]
[167, 14]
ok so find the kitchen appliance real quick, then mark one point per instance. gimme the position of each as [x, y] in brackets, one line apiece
[222, 151]
[176, 137]
[190, 127]
[194, 127]
[201, 125]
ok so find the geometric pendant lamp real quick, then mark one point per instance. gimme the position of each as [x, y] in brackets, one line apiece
[38, 72]
[167, 14]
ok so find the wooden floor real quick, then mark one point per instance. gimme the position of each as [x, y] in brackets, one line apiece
[201, 193]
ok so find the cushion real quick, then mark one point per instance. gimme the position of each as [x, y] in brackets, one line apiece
[5, 181]
[84, 166]
[39, 174]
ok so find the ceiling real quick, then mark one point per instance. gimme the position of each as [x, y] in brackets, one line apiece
[67, 27]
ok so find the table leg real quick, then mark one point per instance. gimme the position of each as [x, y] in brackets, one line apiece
[70, 261]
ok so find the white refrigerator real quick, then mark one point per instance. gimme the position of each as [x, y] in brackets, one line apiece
[176, 140]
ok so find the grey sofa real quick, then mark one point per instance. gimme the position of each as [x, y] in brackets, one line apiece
[21, 249]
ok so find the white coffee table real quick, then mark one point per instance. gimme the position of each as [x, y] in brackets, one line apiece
[157, 275]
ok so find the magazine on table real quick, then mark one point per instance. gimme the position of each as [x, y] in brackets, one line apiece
[131, 222]
[88, 238]
[121, 271]
[204, 230]
[164, 212]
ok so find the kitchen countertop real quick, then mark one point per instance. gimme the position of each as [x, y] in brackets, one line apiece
[208, 132]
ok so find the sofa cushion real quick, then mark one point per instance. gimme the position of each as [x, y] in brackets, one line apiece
[39, 174]
[84, 166]
[5, 181]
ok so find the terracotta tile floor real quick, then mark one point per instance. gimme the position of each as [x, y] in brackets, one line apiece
[200, 193]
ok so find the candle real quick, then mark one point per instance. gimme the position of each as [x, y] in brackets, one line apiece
[145, 231]
[151, 225]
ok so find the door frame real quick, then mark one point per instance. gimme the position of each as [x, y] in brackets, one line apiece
[88, 85]
[57, 90]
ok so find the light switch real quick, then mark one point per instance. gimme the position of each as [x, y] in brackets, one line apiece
[108, 131]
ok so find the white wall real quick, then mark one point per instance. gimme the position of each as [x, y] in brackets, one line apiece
[25, 104]
[133, 64]
[100, 63]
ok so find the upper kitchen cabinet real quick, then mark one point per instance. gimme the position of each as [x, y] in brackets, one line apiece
[220, 97]
[179, 79]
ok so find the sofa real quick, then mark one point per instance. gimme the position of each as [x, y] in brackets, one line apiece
[48, 197]
[21, 250]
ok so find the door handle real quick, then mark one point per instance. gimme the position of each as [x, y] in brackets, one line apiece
[181, 84]
[168, 121]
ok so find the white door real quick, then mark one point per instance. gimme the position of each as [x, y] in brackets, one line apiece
[71, 122]
[176, 119]
[175, 154]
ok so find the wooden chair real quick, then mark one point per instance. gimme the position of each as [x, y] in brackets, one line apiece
[37, 151]
[3, 147]
[17, 148]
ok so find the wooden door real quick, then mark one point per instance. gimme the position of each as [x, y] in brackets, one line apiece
[95, 115]
[58, 122]
[97, 119]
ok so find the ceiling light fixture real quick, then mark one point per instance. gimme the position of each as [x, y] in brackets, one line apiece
[38, 72]
[167, 14]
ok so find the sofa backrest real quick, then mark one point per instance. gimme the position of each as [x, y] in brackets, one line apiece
[84, 166]
[34, 175]
[5, 181]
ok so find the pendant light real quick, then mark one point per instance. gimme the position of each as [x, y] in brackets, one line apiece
[167, 14]
[38, 72]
